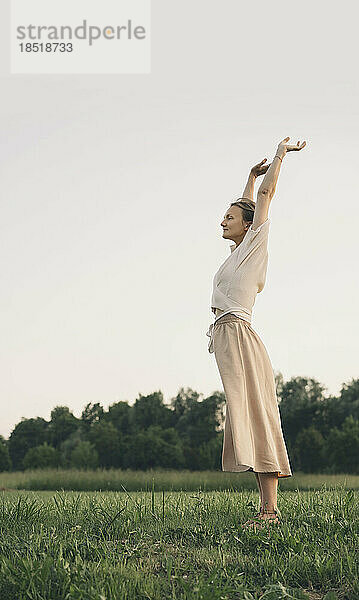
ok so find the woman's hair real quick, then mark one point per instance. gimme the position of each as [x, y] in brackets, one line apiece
[247, 206]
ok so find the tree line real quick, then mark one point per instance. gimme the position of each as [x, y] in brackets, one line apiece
[321, 432]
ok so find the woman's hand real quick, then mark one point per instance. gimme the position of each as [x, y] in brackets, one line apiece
[283, 147]
[260, 168]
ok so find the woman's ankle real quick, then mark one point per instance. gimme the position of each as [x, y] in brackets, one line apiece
[268, 509]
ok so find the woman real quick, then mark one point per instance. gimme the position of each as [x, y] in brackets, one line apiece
[253, 437]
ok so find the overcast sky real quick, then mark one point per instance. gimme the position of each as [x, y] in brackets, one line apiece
[113, 188]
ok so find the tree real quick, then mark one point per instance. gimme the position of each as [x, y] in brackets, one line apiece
[334, 410]
[199, 424]
[67, 446]
[183, 402]
[105, 439]
[300, 405]
[119, 414]
[92, 413]
[84, 456]
[342, 447]
[155, 447]
[349, 396]
[62, 424]
[41, 457]
[27, 434]
[5, 460]
[279, 383]
[308, 450]
[202, 421]
[150, 410]
[209, 455]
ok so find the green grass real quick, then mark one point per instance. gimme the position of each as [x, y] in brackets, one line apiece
[113, 479]
[177, 545]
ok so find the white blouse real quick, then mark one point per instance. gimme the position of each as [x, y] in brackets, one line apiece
[241, 277]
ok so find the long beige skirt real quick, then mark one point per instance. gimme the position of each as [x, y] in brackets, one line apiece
[253, 437]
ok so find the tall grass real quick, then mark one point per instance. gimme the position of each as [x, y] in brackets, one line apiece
[114, 479]
[177, 546]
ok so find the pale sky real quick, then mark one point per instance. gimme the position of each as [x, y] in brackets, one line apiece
[113, 188]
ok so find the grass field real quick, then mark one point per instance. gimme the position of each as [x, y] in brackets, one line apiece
[177, 544]
[114, 479]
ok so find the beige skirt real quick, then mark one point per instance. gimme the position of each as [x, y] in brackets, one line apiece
[253, 437]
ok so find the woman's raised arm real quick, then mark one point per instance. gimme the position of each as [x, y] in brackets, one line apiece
[255, 172]
[267, 188]
[268, 185]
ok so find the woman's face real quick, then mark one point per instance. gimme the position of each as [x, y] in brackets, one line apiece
[234, 228]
